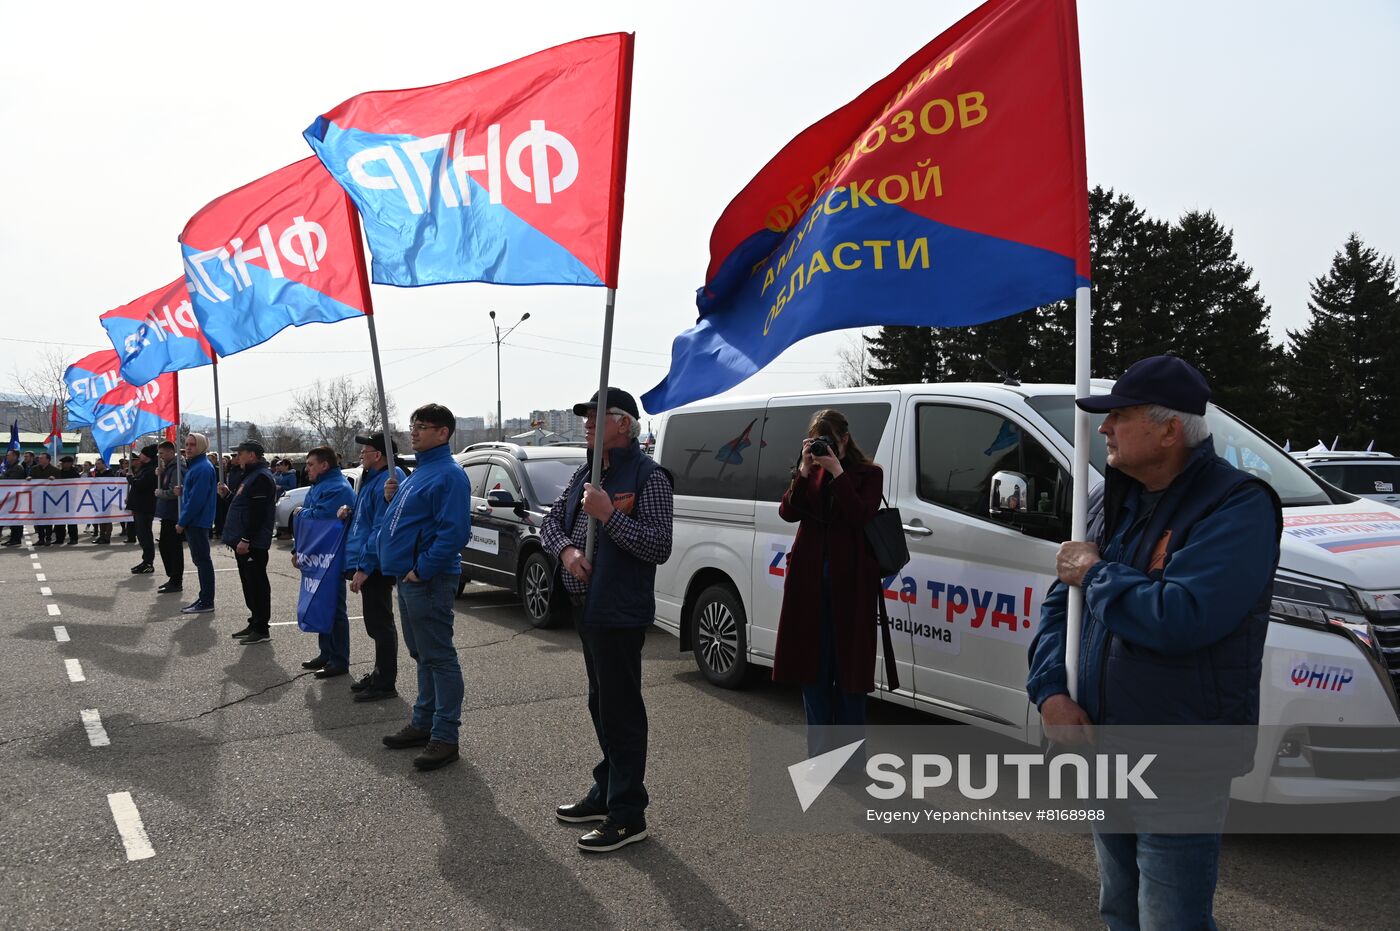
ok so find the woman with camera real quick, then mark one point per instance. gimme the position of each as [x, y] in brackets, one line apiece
[826, 633]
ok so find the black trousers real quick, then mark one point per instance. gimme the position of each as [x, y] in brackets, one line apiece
[257, 590]
[44, 532]
[613, 658]
[172, 551]
[143, 521]
[16, 534]
[72, 533]
[377, 599]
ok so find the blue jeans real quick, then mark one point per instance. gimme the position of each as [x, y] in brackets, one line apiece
[426, 611]
[198, 540]
[335, 646]
[1157, 882]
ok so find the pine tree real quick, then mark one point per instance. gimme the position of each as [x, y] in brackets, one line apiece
[1218, 321]
[1128, 250]
[1344, 366]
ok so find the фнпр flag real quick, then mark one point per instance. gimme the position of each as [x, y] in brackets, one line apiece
[510, 176]
[117, 412]
[951, 192]
[157, 333]
[279, 252]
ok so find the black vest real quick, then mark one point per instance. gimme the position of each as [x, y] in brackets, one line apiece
[1136, 685]
[622, 588]
[240, 505]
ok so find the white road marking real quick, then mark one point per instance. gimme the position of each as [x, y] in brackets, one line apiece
[46, 591]
[53, 610]
[60, 633]
[133, 832]
[40, 577]
[37, 566]
[75, 670]
[92, 723]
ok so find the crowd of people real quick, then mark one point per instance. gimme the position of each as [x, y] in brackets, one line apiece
[1172, 518]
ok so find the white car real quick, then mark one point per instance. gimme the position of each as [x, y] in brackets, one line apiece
[294, 499]
[1368, 474]
[964, 610]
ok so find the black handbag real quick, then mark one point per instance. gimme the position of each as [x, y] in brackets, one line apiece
[886, 535]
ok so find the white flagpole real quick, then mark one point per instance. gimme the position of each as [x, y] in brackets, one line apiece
[599, 426]
[218, 420]
[1079, 513]
[359, 248]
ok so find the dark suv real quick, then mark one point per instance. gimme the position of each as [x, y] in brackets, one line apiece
[513, 488]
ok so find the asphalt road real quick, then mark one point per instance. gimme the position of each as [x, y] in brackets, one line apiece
[269, 802]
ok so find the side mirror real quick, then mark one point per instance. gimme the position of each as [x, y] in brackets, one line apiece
[500, 499]
[1008, 495]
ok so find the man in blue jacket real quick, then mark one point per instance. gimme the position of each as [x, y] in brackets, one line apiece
[197, 496]
[420, 541]
[1177, 583]
[330, 491]
[376, 590]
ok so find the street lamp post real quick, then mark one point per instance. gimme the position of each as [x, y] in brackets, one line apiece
[500, 338]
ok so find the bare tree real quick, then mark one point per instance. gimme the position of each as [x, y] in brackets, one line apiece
[337, 410]
[38, 387]
[852, 364]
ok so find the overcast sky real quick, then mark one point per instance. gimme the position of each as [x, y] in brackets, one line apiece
[122, 119]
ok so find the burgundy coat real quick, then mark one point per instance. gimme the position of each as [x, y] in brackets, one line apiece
[832, 514]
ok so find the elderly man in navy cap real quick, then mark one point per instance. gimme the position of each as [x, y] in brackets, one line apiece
[1177, 576]
[615, 597]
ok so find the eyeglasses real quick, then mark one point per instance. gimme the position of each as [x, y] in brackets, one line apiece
[419, 427]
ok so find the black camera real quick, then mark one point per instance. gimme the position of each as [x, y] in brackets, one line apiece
[822, 446]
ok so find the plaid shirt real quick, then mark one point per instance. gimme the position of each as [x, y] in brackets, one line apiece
[645, 533]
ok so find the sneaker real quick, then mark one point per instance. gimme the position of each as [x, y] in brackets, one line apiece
[364, 682]
[376, 692]
[611, 835]
[257, 636]
[249, 629]
[435, 756]
[143, 568]
[408, 736]
[582, 811]
[169, 588]
[197, 607]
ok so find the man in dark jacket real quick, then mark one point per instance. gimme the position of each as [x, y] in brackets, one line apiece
[141, 502]
[615, 598]
[1177, 585]
[102, 532]
[420, 542]
[172, 544]
[248, 527]
[43, 471]
[66, 470]
[13, 471]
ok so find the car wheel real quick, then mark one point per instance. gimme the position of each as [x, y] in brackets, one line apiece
[537, 591]
[718, 636]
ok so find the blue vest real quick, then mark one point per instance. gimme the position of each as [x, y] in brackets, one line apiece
[622, 588]
[240, 505]
[1125, 683]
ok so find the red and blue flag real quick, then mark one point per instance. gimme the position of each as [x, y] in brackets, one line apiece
[511, 176]
[282, 251]
[157, 333]
[117, 412]
[951, 192]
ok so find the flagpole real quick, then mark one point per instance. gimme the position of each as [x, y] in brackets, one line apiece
[1079, 507]
[218, 421]
[599, 424]
[359, 251]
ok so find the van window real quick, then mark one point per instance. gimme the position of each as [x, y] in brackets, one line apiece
[713, 454]
[960, 448]
[785, 427]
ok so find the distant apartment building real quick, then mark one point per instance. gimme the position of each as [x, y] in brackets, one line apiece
[565, 423]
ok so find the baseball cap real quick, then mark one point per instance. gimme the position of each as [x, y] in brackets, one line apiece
[617, 400]
[375, 439]
[1166, 380]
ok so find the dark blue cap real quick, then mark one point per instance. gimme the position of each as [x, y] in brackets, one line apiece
[1166, 380]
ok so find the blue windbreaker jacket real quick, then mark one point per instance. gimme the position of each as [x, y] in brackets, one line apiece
[360, 552]
[198, 494]
[429, 520]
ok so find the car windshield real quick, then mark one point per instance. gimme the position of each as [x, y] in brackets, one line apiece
[1234, 440]
[549, 476]
[1362, 478]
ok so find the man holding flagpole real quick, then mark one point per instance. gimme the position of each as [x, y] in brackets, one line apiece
[197, 517]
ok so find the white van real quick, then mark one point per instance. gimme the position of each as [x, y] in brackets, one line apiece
[966, 607]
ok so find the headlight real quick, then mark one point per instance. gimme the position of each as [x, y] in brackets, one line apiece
[1320, 606]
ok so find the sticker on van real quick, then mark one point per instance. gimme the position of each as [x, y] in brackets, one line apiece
[1344, 533]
